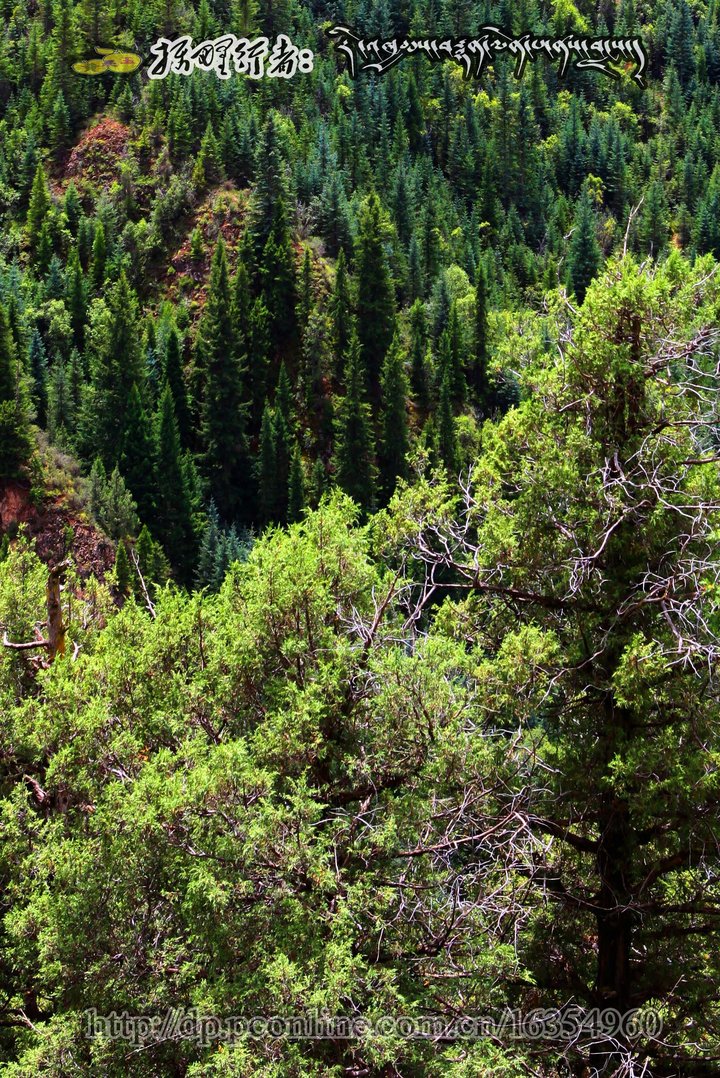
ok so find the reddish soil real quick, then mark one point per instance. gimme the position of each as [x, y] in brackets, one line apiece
[96, 155]
[47, 524]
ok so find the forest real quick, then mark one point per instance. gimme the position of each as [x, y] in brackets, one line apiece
[359, 574]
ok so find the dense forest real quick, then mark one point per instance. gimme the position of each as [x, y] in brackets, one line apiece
[359, 585]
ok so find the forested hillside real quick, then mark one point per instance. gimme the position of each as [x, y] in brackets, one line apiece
[359, 575]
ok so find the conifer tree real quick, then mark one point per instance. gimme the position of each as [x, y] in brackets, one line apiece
[267, 468]
[98, 257]
[584, 254]
[38, 366]
[137, 456]
[115, 366]
[479, 368]
[15, 442]
[172, 520]
[241, 312]
[277, 275]
[224, 454]
[296, 487]
[75, 297]
[375, 291]
[39, 207]
[354, 453]
[173, 373]
[123, 570]
[341, 313]
[395, 441]
[418, 349]
[447, 447]
[305, 302]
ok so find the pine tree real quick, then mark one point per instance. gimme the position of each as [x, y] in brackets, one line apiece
[395, 441]
[75, 297]
[277, 275]
[115, 366]
[296, 487]
[479, 368]
[418, 349]
[151, 563]
[15, 441]
[123, 570]
[173, 374]
[172, 520]
[209, 164]
[354, 466]
[305, 303]
[267, 468]
[39, 208]
[584, 254]
[341, 313]
[98, 259]
[271, 187]
[258, 359]
[224, 455]
[241, 313]
[137, 456]
[375, 291]
[447, 447]
[38, 367]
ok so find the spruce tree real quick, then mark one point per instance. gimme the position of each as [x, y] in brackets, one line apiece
[224, 454]
[267, 469]
[341, 313]
[418, 349]
[479, 367]
[123, 570]
[584, 254]
[39, 207]
[277, 275]
[395, 440]
[172, 520]
[97, 259]
[354, 453]
[137, 456]
[173, 372]
[296, 487]
[15, 441]
[75, 299]
[446, 444]
[375, 290]
[38, 366]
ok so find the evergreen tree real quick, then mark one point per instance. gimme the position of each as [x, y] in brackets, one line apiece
[277, 274]
[75, 297]
[395, 441]
[98, 259]
[268, 493]
[354, 454]
[447, 446]
[39, 207]
[479, 368]
[584, 254]
[341, 313]
[37, 363]
[224, 454]
[172, 520]
[123, 570]
[375, 292]
[296, 487]
[137, 456]
[173, 373]
[15, 442]
[418, 348]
